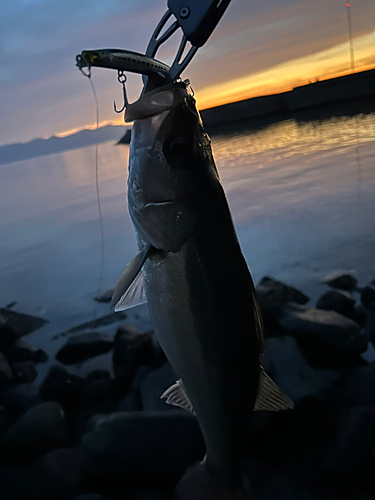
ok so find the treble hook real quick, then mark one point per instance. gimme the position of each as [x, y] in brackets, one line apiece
[122, 79]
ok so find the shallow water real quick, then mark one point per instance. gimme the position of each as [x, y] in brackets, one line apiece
[302, 197]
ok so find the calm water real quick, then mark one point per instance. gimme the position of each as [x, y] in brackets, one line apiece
[302, 197]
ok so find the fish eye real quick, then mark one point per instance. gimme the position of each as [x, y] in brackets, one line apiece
[177, 149]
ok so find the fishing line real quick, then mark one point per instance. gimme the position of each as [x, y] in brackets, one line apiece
[98, 195]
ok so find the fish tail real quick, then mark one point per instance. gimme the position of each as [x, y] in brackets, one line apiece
[198, 484]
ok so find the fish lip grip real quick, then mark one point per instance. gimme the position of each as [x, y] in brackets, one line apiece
[197, 20]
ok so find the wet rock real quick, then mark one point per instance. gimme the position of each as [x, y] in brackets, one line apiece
[20, 351]
[344, 280]
[338, 301]
[6, 374]
[288, 368]
[368, 295]
[359, 315]
[131, 402]
[21, 324]
[39, 430]
[153, 386]
[324, 334]
[82, 347]
[108, 319]
[370, 324]
[7, 335]
[105, 296]
[142, 445]
[360, 387]
[132, 348]
[350, 451]
[62, 386]
[273, 295]
[40, 356]
[24, 372]
[20, 398]
[99, 386]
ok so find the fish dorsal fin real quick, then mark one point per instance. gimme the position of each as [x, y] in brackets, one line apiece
[129, 290]
[270, 397]
[177, 396]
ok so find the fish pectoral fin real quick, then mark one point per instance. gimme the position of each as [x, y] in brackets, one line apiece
[129, 289]
[270, 397]
[177, 396]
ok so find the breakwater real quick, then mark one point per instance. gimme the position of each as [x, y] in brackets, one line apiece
[336, 91]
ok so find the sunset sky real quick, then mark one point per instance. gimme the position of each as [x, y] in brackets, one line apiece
[259, 47]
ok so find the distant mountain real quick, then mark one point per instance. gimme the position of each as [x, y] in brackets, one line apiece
[40, 147]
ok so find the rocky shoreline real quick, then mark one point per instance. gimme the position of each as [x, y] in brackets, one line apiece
[109, 435]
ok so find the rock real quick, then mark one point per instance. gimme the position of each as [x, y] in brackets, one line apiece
[40, 356]
[39, 430]
[153, 386]
[360, 386]
[132, 348]
[90, 496]
[24, 372]
[338, 301]
[20, 398]
[288, 368]
[324, 334]
[344, 280]
[359, 315]
[142, 445]
[350, 451]
[370, 324]
[21, 324]
[368, 295]
[273, 295]
[6, 374]
[131, 402]
[82, 347]
[108, 319]
[62, 386]
[7, 335]
[105, 296]
[280, 486]
[20, 351]
[99, 386]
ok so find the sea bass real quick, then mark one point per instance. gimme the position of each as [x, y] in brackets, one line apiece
[200, 293]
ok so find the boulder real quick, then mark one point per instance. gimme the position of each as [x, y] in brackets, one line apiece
[20, 351]
[24, 372]
[359, 315]
[288, 368]
[350, 451]
[7, 335]
[20, 398]
[131, 402]
[105, 296]
[21, 324]
[62, 386]
[344, 280]
[368, 295]
[153, 386]
[40, 356]
[39, 430]
[370, 324]
[6, 374]
[360, 386]
[324, 335]
[132, 349]
[99, 386]
[142, 446]
[273, 295]
[85, 346]
[337, 300]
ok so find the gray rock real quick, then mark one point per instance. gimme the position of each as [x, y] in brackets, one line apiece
[60, 385]
[20, 398]
[131, 402]
[132, 349]
[344, 280]
[368, 295]
[40, 429]
[20, 351]
[24, 372]
[288, 368]
[6, 374]
[99, 386]
[82, 347]
[337, 300]
[21, 324]
[273, 295]
[350, 451]
[360, 386]
[105, 296]
[147, 445]
[153, 386]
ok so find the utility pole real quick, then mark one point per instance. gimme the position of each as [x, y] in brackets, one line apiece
[351, 48]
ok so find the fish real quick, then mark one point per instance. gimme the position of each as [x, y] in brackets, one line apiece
[200, 294]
